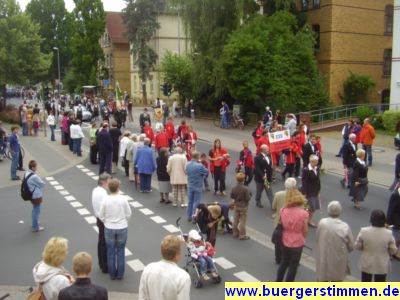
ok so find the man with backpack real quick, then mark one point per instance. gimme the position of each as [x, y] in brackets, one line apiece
[32, 190]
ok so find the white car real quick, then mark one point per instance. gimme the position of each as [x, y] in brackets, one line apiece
[86, 115]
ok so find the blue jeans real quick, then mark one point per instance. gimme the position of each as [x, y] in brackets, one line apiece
[116, 241]
[206, 263]
[368, 153]
[52, 137]
[145, 182]
[25, 129]
[224, 121]
[14, 164]
[194, 198]
[35, 216]
[71, 144]
[77, 146]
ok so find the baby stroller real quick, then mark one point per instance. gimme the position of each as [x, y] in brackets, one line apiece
[239, 166]
[192, 264]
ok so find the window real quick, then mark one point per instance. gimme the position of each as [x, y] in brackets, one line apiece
[304, 4]
[389, 19]
[387, 62]
[317, 3]
[316, 29]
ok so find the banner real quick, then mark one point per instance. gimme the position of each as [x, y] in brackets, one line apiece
[279, 140]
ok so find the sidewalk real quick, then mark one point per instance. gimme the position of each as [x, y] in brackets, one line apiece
[21, 293]
[384, 153]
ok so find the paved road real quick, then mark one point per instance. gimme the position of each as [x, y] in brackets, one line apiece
[67, 212]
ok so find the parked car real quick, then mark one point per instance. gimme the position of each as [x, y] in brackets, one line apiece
[86, 115]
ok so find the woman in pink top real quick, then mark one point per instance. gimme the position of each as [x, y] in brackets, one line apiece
[294, 219]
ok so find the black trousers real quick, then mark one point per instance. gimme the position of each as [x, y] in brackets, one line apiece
[297, 167]
[290, 262]
[20, 161]
[101, 247]
[219, 179]
[93, 154]
[248, 172]
[366, 277]
[288, 169]
[126, 166]
[278, 252]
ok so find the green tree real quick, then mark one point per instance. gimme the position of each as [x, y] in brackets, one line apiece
[55, 29]
[21, 60]
[88, 26]
[178, 70]
[270, 61]
[356, 89]
[140, 19]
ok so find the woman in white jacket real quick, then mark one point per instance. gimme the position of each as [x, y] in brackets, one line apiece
[49, 272]
[51, 121]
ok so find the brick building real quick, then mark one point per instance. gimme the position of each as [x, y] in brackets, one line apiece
[116, 53]
[353, 35]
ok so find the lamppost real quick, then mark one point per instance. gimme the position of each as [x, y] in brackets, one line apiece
[59, 75]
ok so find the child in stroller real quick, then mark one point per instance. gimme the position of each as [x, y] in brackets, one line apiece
[202, 253]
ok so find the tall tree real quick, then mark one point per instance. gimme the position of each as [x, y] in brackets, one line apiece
[141, 20]
[55, 29]
[20, 57]
[88, 26]
[270, 61]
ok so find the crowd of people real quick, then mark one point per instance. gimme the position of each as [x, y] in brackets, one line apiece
[171, 151]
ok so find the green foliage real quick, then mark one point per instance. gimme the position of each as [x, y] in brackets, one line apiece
[363, 112]
[88, 26]
[140, 18]
[356, 88]
[55, 27]
[21, 60]
[390, 119]
[178, 70]
[377, 121]
[270, 61]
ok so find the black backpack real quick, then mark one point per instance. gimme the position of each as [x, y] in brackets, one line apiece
[26, 194]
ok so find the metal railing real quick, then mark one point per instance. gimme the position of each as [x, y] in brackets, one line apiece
[338, 114]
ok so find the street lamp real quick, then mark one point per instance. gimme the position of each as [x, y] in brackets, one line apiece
[59, 75]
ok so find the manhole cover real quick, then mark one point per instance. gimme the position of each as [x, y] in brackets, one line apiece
[378, 150]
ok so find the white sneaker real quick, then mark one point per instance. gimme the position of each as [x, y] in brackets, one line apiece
[183, 205]
[205, 277]
[41, 228]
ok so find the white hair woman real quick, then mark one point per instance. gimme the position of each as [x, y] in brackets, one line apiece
[359, 180]
[334, 243]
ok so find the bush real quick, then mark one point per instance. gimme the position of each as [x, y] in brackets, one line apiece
[10, 116]
[390, 119]
[377, 121]
[356, 88]
[363, 112]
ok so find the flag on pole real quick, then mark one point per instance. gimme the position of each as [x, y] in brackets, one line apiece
[118, 95]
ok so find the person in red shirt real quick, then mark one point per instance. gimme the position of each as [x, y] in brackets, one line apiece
[170, 130]
[263, 140]
[182, 129]
[302, 134]
[248, 162]
[148, 131]
[290, 158]
[299, 154]
[257, 132]
[161, 139]
[190, 139]
[219, 160]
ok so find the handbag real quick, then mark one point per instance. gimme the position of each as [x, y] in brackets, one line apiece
[276, 237]
[37, 294]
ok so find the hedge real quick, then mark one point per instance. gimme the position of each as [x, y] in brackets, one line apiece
[390, 119]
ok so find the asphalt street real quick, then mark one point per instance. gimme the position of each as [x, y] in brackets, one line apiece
[67, 212]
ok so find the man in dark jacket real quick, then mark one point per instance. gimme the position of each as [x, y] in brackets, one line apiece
[82, 287]
[115, 133]
[263, 175]
[311, 186]
[105, 148]
[144, 117]
[349, 158]
[309, 149]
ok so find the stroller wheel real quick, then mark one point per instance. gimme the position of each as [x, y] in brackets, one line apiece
[217, 280]
[197, 283]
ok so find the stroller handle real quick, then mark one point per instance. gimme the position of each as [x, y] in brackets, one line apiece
[178, 221]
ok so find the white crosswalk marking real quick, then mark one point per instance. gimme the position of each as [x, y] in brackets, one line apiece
[76, 204]
[64, 193]
[70, 198]
[158, 219]
[49, 178]
[91, 174]
[146, 211]
[83, 211]
[135, 204]
[54, 182]
[224, 263]
[91, 220]
[171, 228]
[85, 170]
[127, 252]
[129, 198]
[96, 229]
[59, 187]
[245, 277]
[136, 265]
[80, 166]
[95, 177]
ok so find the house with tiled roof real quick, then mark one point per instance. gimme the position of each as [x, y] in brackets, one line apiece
[116, 54]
